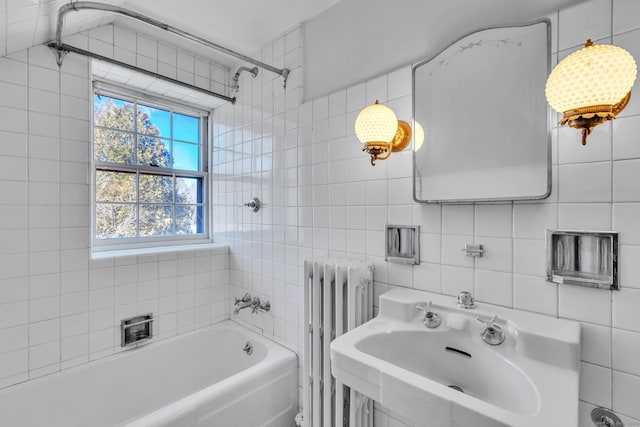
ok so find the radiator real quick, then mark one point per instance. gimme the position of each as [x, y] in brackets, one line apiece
[338, 296]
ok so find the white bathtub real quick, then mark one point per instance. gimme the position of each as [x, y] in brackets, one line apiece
[200, 379]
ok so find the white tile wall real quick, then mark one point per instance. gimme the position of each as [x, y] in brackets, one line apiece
[342, 204]
[59, 308]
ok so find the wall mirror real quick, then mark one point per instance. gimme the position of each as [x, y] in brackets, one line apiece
[481, 120]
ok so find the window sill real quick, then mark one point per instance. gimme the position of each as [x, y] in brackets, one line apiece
[157, 250]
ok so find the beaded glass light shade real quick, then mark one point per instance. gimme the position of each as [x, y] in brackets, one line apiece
[380, 132]
[591, 86]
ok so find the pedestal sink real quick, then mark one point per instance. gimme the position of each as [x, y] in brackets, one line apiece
[449, 376]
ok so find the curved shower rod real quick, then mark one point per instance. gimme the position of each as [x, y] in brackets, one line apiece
[81, 5]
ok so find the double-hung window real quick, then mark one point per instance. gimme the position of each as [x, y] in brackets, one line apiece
[150, 172]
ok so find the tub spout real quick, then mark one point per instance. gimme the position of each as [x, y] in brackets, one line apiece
[240, 306]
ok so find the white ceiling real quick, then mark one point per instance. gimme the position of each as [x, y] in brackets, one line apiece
[241, 25]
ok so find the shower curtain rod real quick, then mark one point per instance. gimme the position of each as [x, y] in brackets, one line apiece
[81, 5]
[65, 48]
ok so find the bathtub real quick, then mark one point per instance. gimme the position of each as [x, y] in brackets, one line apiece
[200, 379]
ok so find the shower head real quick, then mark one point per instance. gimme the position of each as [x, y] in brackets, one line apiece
[235, 87]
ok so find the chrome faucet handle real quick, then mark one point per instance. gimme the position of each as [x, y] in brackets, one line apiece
[258, 305]
[245, 298]
[491, 333]
[255, 304]
[465, 300]
[431, 320]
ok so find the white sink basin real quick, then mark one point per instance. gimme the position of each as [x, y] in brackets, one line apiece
[448, 376]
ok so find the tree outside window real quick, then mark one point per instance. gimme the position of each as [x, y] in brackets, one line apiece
[149, 171]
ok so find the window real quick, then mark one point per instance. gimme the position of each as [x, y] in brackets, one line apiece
[150, 173]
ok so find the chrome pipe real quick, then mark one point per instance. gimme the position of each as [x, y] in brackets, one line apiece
[83, 5]
[64, 48]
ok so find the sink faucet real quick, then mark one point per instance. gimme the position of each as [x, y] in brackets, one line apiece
[491, 333]
[465, 300]
[243, 302]
[431, 320]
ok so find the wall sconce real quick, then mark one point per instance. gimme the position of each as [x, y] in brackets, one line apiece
[591, 86]
[380, 132]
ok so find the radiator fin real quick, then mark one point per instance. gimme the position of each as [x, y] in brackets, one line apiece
[338, 296]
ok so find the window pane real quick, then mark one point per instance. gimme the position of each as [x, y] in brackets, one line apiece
[186, 128]
[115, 186]
[155, 220]
[154, 151]
[156, 189]
[186, 156]
[189, 220]
[189, 190]
[112, 113]
[112, 146]
[115, 220]
[153, 121]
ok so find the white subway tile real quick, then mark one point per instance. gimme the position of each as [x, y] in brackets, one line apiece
[585, 182]
[74, 347]
[44, 78]
[14, 265]
[124, 39]
[428, 277]
[376, 89]
[42, 286]
[13, 290]
[628, 270]
[456, 279]
[529, 257]
[498, 255]
[14, 96]
[626, 389]
[625, 136]
[13, 363]
[535, 294]
[428, 216]
[400, 83]
[13, 120]
[626, 220]
[74, 303]
[452, 253]
[592, 342]
[584, 216]
[44, 332]
[493, 220]
[586, 20]
[73, 325]
[14, 338]
[44, 308]
[14, 71]
[625, 16]
[457, 219]
[625, 309]
[594, 306]
[494, 287]
[626, 174]
[625, 351]
[595, 384]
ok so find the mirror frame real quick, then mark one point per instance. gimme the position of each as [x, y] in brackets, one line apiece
[547, 120]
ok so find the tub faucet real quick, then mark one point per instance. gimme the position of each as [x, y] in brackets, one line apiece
[243, 302]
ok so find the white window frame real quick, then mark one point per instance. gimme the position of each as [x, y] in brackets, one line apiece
[129, 95]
